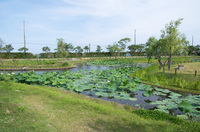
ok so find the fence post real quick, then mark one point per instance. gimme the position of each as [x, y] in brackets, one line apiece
[175, 71]
[195, 73]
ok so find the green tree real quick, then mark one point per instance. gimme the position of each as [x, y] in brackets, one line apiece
[98, 49]
[172, 40]
[151, 47]
[114, 49]
[78, 50]
[23, 49]
[61, 48]
[68, 47]
[1, 45]
[86, 48]
[123, 42]
[47, 50]
[8, 48]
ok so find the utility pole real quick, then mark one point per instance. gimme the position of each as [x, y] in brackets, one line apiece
[135, 36]
[192, 40]
[24, 40]
[89, 49]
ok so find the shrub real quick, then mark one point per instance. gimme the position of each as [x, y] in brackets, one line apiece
[65, 64]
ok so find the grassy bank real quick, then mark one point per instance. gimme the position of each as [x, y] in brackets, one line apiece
[184, 80]
[38, 108]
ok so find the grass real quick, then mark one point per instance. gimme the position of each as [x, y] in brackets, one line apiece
[39, 108]
[184, 80]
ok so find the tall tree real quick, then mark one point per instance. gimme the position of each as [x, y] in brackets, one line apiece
[78, 50]
[8, 48]
[61, 48]
[86, 48]
[68, 47]
[123, 42]
[47, 50]
[1, 45]
[172, 39]
[151, 47]
[114, 49]
[98, 49]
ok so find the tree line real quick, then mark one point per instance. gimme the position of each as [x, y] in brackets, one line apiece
[171, 42]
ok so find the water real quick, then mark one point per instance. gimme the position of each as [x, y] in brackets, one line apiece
[142, 100]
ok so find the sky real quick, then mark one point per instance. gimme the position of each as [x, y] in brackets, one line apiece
[94, 22]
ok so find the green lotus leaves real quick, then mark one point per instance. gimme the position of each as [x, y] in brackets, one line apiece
[133, 99]
[148, 93]
[185, 107]
[113, 83]
[182, 116]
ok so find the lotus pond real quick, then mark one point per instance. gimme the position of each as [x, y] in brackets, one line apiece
[114, 84]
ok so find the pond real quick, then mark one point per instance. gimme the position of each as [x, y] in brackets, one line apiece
[113, 84]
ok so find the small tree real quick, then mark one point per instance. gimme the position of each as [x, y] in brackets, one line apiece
[98, 49]
[61, 48]
[114, 50]
[78, 50]
[123, 42]
[23, 49]
[8, 48]
[1, 45]
[172, 39]
[47, 50]
[86, 48]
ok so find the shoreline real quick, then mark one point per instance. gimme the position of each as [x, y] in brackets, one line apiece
[38, 69]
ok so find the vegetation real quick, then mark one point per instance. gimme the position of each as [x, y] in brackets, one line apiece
[39, 108]
[98, 49]
[47, 50]
[111, 84]
[171, 41]
[184, 80]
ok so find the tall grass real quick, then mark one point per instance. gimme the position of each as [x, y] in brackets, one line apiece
[151, 75]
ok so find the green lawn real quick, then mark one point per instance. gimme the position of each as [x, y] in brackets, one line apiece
[39, 108]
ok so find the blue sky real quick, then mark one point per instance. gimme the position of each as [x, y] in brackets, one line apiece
[98, 22]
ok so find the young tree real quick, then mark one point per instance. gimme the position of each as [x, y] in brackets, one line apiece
[61, 48]
[172, 39]
[151, 47]
[123, 42]
[23, 49]
[98, 49]
[78, 50]
[47, 50]
[68, 47]
[114, 49]
[1, 45]
[8, 48]
[86, 48]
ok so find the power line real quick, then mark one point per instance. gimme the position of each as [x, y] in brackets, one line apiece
[32, 44]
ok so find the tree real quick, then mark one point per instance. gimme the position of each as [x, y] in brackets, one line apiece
[23, 49]
[172, 40]
[86, 48]
[8, 48]
[61, 48]
[132, 48]
[68, 47]
[78, 50]
[114, 49]
[98, 49]
[123, 42]
[46, 49]
[1, 45]
[151, 47]
[136, 48]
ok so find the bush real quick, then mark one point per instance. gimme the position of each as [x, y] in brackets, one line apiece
[65, 64]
